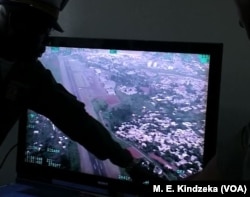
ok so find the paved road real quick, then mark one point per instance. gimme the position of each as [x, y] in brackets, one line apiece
[69, 81]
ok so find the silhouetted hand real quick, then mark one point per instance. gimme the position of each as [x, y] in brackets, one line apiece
[144, 171]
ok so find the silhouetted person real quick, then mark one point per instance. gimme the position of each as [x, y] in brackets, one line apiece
[25, 84]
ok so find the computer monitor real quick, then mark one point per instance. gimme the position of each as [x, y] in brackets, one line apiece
[158, 99]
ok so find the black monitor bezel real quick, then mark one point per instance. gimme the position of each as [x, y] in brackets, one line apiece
[215, 50]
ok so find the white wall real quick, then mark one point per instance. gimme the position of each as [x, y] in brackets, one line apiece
[170, 20]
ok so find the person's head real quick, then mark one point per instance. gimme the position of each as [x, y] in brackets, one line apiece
[244, 14]
[25, 26]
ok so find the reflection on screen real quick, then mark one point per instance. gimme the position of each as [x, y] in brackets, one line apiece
[153, 103]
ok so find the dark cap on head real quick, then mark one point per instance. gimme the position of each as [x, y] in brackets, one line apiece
[50, 7]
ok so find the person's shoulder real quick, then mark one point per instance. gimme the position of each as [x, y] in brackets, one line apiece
[231, 153]
[241, 138]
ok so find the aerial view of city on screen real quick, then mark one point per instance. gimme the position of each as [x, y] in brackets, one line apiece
[153, 103]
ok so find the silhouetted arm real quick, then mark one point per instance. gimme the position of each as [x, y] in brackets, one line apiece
[68, 114]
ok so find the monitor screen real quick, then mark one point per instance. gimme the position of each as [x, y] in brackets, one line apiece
[153, 102]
